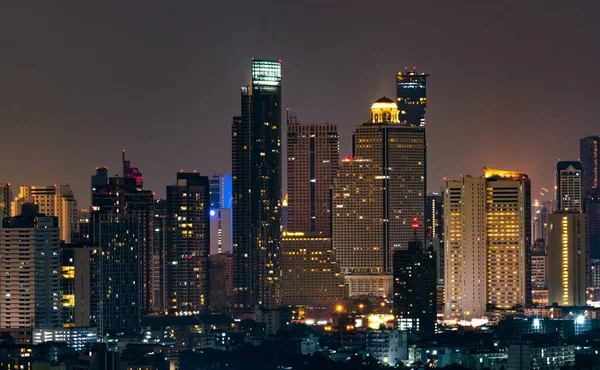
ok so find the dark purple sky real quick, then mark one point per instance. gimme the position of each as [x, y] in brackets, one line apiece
[512, 86]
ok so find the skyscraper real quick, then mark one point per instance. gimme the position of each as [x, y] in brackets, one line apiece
[53, 200]
[588, 155]
[569, 189]
[487, 242]
[220, 191]
[593, 212]
[121, 227]
[4, 201]
[434, 227]
[411, 97]
[29, 265]
[256, 163]
[220, 231]
[415, 288]
[159, 256]
[188, 243]
[567, 259]
[75, 284]
[313, 152]
[378, 192]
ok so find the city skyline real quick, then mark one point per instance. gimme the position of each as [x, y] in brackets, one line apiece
[89, 94]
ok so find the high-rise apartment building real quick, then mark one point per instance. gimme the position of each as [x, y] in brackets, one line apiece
[159, 256]
[415, 289]
[411, 97]
[588, 155]
[55, 200]
[29, 272]
[221, 271]
[313, 152]
[378, 192]
[220, 231]
[188, 243]
[131, 172]
[309, 272]
[121, 228]
[487, 242]
[434, 227]
[75, 284]
[4, 201]
[567, 259]
[569, 186]
[256, 163]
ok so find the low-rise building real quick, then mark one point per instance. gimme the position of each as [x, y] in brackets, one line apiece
[530, 356]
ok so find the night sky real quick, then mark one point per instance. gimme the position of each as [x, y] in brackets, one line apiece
[511, 86]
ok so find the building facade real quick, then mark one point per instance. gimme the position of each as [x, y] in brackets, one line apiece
[588, 155]
[569, 186]
[75, 284]
[415, 289]
[411, 97]
[256, 164]
[309, 271]
[313, 152]
[567, 259]
[29, 272]
[4, 201]
[487, 243]
[379, 192]
[188, 243]
[54, 200]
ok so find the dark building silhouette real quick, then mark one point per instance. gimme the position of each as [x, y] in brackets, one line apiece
[121, 227]
[588, 155]
[131, 172]
[256, 165]
[188, 243]
[592, 206]
[159, 270]
[411, 97]
[415, 289]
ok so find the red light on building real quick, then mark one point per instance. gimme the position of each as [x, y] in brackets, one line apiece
[415, 224]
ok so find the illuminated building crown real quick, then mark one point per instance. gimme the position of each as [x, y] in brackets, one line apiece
[384, 110]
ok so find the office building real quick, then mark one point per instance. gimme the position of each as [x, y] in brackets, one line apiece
[487, 242]
[411, 97]
[121, 228]
[309, 272]
[539, 229]
[221, 191]
[29, 271]
[378, 192]
[539, 356]
[313, 152]
[567, 259]
[159, 256]
[588, 155]
[76, 338]
[538, 271]
[75, 281]
[434, 227]
[389, 347]
[569, 187]
[256, 164]
[55, 200]
[4, 201]
[415, 289]
[220, 231]
[188, 243]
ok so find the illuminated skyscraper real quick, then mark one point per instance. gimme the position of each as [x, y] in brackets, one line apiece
[379, 192]
[487, 242]
[411, 97]
[159, 256]
[434, 227]
[29, 265]
[188, 243]
[309, 272]
[313, 152]
[53, 200]
[256, 163]
[588, 155]
[220, 191]
[569, 189]
[567, 259]
[75, 284]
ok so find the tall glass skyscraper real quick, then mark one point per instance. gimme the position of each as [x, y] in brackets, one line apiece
[411, 97]
[220, 191]
[256, 163]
